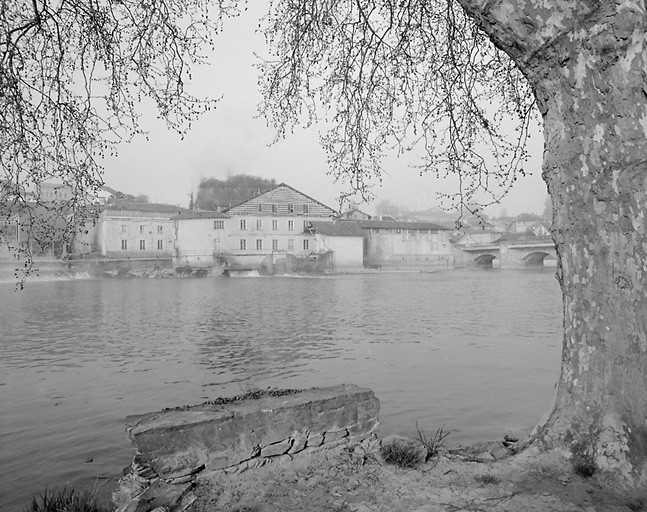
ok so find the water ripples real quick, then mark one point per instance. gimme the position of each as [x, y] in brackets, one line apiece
[477, 351]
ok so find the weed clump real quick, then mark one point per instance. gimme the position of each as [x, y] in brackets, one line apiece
[487, 479]
[66, 500]
[400, 453]
[434, 443]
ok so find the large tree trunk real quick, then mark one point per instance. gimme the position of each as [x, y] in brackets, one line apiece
[587, 62]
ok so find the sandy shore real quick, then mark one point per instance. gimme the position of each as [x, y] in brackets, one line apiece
[356, 479]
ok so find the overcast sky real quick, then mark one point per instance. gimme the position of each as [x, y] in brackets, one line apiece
[229, 140]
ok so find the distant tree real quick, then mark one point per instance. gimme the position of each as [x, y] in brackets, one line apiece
[71, 75]
[141, 198]
[386, 207]
[214, 193]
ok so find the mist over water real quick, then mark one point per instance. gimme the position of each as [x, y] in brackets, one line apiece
[476, 351]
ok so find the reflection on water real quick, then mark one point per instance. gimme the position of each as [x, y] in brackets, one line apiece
[477, 351]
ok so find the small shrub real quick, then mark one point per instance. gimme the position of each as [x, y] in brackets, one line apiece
[434, 443]
[66, 500]
[487, 479]
[400, 453]
[585, 468]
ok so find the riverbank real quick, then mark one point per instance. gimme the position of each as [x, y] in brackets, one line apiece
[317, 450]
[358, 480]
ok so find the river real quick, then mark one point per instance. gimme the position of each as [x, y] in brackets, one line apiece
[477, 351]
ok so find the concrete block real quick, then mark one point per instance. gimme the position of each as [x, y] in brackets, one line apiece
[315, 440]
[334, 435]
[222, 434]
[275, 449]
[300, 440]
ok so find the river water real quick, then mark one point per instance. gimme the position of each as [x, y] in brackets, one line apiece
[475, 350]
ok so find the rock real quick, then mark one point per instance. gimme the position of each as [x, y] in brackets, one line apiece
[277, 448]
[183, 473]
[315, 440]
[334, 435]
[188, 500]
[300, 440]
[129, 487]
[500, 452]
[161, 494]
[146, 472]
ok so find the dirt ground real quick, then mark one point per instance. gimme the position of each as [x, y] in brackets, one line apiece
[356, 479]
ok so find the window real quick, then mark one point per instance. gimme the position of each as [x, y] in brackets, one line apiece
[218, 224]
[160, 230]
[124, 245]
[142, 245]
[290, 208]
[260, 207]
[275, 225]
[290, 245]
[141, 229]
[160, 245]
[275, 245]
[124, 229]
[243, 224]
[274, 209]
[305, 209]
[259, 224]
[306, 224]
[259, 244]
[306, 245]
[243, 244]
[290, 225]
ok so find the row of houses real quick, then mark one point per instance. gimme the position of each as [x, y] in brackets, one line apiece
[279, 231]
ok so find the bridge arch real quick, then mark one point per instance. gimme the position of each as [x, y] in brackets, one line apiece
[485, 260]
[537, 258]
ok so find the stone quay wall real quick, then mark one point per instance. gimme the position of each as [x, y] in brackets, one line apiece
[175, 445]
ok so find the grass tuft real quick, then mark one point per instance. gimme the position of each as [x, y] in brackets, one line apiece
[585, 468]
[487, 479]
[66, 500]
[434, 443]
[400, 453]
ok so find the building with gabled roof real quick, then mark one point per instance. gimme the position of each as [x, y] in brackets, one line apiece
[268, 231]
[282, 201]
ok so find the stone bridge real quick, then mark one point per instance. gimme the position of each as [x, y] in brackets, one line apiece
[507, 254]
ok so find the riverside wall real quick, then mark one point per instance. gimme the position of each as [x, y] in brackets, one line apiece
[174, 446]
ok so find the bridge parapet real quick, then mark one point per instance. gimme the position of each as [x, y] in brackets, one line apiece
[507, 254]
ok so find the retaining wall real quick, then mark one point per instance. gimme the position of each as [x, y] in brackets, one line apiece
[226, 433]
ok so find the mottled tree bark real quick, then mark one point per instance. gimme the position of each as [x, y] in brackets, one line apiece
[587, 63]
